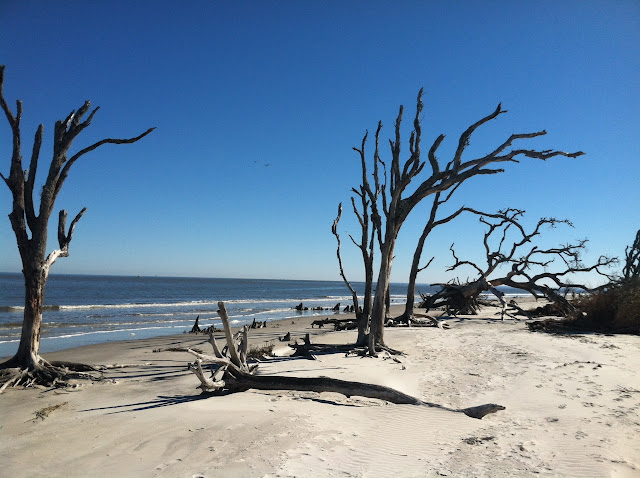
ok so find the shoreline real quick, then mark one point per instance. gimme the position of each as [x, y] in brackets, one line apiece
[154, 329]
[572, 409]
[272, 325]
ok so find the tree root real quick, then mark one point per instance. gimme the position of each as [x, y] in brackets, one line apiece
[45, 374]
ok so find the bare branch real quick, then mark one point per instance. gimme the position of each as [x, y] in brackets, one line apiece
[65, 239]
[65, 170]
[463, 142]
[395, 152]
[334, 231]
[432, 155]
[420, 269]
[33, 168]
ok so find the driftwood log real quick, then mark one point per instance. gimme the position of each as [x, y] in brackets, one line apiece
[416, 320]
[338, 324]
[232, 373]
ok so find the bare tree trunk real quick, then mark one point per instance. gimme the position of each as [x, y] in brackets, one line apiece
[376, 334]
[28, 350]
[364, 316]
[413, 277]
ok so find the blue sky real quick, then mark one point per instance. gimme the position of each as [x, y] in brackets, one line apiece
[258, 104]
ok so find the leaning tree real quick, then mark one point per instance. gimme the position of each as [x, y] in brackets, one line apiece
[30, 223]
[391, 202]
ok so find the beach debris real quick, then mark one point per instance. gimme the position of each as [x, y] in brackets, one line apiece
[258, 325]
[478, 440]
[285, 338]
[515, 259]
[45, 412]
[197, 330]
[338, 324]
[230, 372]
[196, 327]
[175, 349]
[416, 320]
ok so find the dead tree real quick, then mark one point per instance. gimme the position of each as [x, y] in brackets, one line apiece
[30, 228]
[231, 373]
[370, 223]
[389, 200]
[518, 264]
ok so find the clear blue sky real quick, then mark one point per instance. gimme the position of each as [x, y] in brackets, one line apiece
[258, 104]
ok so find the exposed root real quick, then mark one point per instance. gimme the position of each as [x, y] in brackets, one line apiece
[45, 374]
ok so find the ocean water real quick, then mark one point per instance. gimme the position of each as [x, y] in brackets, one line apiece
[82, 310]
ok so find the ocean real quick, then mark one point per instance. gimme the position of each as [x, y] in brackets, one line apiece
[83, 310]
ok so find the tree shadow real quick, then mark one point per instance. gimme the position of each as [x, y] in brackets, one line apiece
[161, 401]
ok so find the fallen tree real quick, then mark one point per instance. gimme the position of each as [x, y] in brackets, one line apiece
[231, 374]
[538, 271]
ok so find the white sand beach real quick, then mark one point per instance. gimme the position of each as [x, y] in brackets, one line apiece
[572, 410]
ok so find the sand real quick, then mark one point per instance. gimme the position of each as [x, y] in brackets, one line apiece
[572, 410]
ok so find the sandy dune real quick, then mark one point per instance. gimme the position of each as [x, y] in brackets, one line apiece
[572, 410]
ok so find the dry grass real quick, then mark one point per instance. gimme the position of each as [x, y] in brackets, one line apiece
[257, 351]
[614, 310]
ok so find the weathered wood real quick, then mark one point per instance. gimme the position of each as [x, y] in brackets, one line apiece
[334, 231]
[337, 323]
[285, 338]
[240, 382]
[240, 377]
[631, 268]
[196, 327]
[233, 352]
